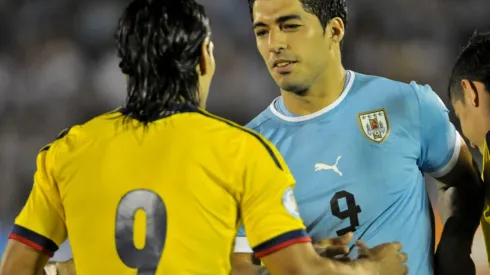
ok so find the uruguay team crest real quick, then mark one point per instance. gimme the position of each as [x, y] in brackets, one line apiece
[374, 124]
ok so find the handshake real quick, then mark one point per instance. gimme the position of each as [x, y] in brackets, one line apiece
[386, 258]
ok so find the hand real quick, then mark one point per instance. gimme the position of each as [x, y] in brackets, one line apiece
[330, 248]
[66, 268]
[50, 269]
[387, 257]
[60, 268]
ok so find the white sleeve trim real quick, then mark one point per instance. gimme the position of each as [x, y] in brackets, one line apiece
[454, 159]
[242, 245]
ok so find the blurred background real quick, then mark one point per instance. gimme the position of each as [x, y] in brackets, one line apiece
[58, 68]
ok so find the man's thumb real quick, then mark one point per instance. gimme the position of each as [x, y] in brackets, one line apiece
[345, 239]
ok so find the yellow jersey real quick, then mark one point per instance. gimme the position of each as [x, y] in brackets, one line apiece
[485, 223]
[163, 199]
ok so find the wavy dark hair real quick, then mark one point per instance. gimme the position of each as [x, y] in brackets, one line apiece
[325, 10]
[159, 44]
[473, 64]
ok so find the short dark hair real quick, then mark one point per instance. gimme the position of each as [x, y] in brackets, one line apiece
[473, 64]
[159, 44]
[325, 10]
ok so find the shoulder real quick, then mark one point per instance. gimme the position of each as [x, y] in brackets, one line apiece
[71, 137]
[261, 120]
[227, 125]
[267, 122]
[427, 98]
[379, 84]
[254, 144]
[241, 132]
[397, 93]
[62, 134]
[97, 124]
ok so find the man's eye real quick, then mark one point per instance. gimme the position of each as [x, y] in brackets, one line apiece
[291, 26]
[261, 33]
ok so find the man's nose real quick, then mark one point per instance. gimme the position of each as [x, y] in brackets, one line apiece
[277, 41]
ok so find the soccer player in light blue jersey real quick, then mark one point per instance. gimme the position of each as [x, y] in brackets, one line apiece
[359, 145]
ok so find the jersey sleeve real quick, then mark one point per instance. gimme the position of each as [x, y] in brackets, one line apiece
[440, 142]
[41, 223]
[268, 209]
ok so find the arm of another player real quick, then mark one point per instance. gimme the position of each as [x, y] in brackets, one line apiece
[62, 261]
[66, 268]
[273, 226]
[242, 262]
[39, 228]
[460, 204]
[242, 258]
[447, 158]
[60, 268]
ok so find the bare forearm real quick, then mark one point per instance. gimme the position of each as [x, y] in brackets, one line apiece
[326, 266]
[461, 197]
[461, 203]
[359, 267]
[454, 249]
[21, 267]
[246, 268]
[22, 270]
[20, 259]
[461, 209]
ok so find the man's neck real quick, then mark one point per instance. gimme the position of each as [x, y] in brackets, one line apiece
[484, 120]
[324, 91]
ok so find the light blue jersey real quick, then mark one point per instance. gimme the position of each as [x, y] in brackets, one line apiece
[359, 163]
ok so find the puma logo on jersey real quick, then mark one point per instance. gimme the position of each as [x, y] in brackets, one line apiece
[323, 166]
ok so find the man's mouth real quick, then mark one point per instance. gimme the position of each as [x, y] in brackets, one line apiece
[284, 64]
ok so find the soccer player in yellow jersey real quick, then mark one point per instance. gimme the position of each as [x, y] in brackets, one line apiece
[160, 186]
[469, 90]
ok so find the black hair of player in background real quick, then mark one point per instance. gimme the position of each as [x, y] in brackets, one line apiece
[473, 64]
[159, 44]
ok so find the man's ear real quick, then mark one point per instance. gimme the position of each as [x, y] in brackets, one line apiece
[335, 29]
[206, 57]
[470, 94]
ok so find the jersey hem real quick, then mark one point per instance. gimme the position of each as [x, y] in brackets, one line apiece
[33, 239]
[280, 242]
[242, 245]
[452, 161]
